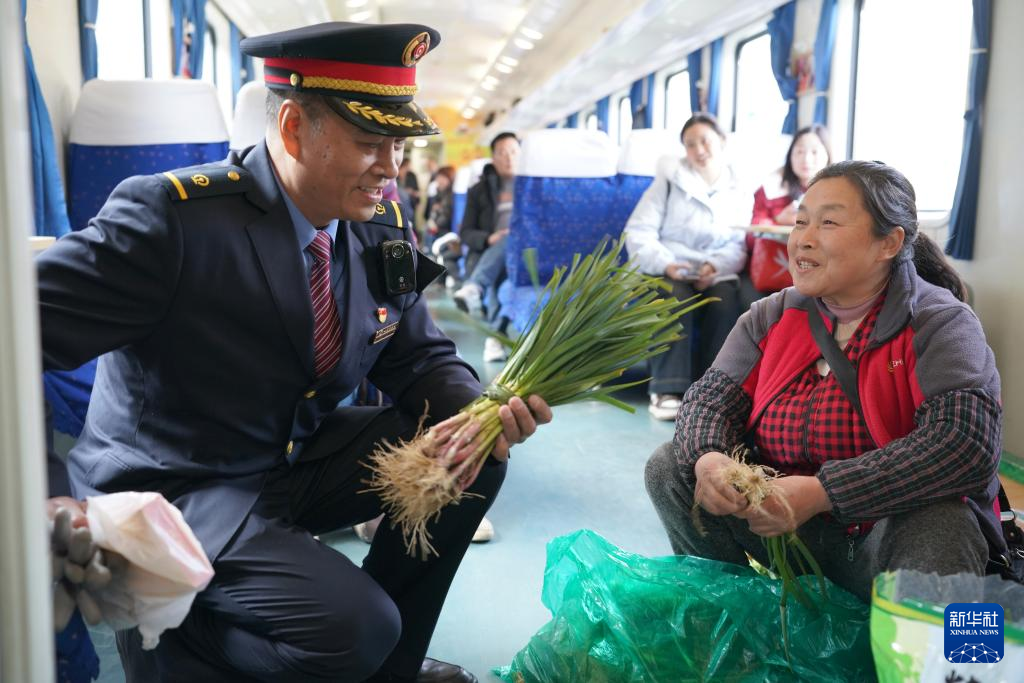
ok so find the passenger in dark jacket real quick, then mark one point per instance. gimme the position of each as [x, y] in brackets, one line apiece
[489, 201]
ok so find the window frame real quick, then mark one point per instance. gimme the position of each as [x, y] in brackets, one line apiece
[146, 63]
[668, 77]
[621, 138]
[740, 44]
[851, 112]
[212, 32]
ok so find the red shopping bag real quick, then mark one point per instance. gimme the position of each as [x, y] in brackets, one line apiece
[769, 265]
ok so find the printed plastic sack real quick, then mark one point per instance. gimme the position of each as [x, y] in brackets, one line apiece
[769, 265]
[908, 627]
[167, 565]
[621, 618]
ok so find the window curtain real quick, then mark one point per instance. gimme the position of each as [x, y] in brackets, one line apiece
[715, 78]
[87, 10]
[188, 59]
[780, 28]
[693, 67]
[572, 120]
[964, 213]
[640, 102]
[241, 65]
[50, 212]
[823, 47]
[603, 105]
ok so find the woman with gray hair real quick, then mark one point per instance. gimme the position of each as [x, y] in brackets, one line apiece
[868, 383]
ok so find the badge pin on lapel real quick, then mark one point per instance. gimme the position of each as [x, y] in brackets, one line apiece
[382, 314]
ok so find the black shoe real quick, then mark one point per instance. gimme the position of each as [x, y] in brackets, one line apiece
[434, 671]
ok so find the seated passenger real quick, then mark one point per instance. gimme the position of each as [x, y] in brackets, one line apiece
[892, 452]
[775, 203]
[484, 230]
[681, 230]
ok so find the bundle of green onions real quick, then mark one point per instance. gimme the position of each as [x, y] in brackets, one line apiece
[756, 483]
[599, 319]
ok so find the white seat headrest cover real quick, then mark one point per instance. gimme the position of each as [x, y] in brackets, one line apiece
[568, 153]
[250, 122]
[147, 112]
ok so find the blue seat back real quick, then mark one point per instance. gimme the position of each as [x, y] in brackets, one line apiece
[125, 128]
[566, 199]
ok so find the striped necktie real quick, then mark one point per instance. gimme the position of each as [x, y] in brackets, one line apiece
[326, 325]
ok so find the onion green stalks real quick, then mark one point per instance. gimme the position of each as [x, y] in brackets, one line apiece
[756, 483]
[599, 319]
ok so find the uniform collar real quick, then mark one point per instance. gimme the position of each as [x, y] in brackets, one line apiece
[304, 230]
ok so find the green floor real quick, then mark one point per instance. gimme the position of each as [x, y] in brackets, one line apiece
[584, 470]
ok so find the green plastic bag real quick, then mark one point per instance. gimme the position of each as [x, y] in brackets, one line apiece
[619, 617]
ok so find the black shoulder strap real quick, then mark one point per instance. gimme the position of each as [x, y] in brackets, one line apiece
[834, 356]
[211, 180]
[392, 214]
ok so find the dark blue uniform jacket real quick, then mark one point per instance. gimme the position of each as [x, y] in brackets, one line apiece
[200, 309]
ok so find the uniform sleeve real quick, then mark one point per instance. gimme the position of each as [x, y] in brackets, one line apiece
[109, 284]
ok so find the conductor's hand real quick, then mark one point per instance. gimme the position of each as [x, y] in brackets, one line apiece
[519, 420]
[713, 494]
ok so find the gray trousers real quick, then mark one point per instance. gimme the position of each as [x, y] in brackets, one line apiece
[943, 538]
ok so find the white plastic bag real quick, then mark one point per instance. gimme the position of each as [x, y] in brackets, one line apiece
[167, 566]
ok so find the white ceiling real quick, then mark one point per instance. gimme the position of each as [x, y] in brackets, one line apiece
[589, 48]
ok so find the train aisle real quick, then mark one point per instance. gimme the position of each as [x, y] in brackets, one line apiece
[584, 470]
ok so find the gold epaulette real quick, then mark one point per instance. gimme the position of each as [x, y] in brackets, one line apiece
[393, 214]
[198, 182]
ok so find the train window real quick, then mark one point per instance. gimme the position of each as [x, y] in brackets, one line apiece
[625, 119]
[760, 109]
[590, 122]
[911, 92]
[120, 44]
[677, 99]
[210, 56]
[160, 37]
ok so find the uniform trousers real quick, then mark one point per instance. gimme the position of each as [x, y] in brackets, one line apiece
[282, 606]
[942, 538]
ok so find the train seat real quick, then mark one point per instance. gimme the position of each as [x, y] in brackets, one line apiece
[638, 161]
[565, 199]
[250, 121]
[565, 202]
[125, 128]
[120, 129]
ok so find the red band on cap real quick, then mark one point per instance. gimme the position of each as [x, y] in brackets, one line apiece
[326, 68]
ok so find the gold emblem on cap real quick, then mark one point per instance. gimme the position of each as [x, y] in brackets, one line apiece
[416, 48]
[200, 180]
[233, 175]
[295, 80]
[379, 209]
[368, 112]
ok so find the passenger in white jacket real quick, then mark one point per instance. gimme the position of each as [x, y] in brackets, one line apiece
[683, 229]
